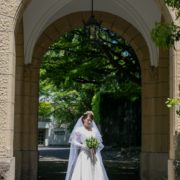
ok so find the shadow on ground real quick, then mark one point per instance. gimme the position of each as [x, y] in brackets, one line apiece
[56, 170]
[53, 167]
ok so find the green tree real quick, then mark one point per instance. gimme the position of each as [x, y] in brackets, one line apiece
[70, 61]
[78, 69]
[62, 105]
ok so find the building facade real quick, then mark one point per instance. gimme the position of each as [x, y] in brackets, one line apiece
[50, 135]
[28, 27]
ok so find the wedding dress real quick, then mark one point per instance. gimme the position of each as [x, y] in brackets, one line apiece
[82, 165]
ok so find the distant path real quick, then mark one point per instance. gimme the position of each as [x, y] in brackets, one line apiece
[54, 153]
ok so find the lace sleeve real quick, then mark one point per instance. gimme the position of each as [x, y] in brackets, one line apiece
[77, 140]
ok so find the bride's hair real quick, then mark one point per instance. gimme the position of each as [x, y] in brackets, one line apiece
[86, 114]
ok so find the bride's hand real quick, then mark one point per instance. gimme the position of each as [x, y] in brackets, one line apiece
[93, 151]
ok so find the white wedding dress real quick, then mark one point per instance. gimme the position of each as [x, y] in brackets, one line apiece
[85, 167]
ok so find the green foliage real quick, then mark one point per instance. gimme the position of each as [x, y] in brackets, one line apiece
[92, 143]
[45, 109]
[175, 4]
[128, 89]
[164, 34]
[96, 102]
[66, 101]
[62, 104]
[70, 61]
[174, 102]
[125, 90]
[74, 71]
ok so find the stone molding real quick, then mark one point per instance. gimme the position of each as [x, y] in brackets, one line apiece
[7, 167]
[4, 169]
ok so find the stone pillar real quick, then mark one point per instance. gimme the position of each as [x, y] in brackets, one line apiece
[26, 114]
[155, 120]
[26, 126]
[174, 159]
[177, 119]
[7, 78]
[174, 155]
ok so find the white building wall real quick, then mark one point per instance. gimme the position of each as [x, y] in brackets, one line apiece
[54, 136]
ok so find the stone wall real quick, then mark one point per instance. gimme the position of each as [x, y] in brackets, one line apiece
[8, 10]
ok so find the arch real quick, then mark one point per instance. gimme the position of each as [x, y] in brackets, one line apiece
[27, 90]
[37, 20]
[155, 84]
[74, 20]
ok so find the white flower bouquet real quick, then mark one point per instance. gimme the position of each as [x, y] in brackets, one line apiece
[92, 143]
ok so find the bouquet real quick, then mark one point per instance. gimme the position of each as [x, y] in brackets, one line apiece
[92, 143]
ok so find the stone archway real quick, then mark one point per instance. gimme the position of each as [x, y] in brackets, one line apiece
[155, 83]
[22, 123]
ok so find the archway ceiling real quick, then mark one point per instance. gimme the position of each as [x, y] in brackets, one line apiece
[142, 14]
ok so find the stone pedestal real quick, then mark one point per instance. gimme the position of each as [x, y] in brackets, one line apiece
[154, 166]
[7, 168]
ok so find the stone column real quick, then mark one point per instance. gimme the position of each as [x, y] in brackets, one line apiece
[155, 120]
[177, 119]
[8, 10]
[29, 124]
[26, 111]
[7, 75]
[174, 155]
[174, 152]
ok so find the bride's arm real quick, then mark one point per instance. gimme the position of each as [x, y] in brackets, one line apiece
[77, 141]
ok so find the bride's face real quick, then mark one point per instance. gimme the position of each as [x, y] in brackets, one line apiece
[87, 122]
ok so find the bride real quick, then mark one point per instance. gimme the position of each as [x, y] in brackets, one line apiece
[85, 163]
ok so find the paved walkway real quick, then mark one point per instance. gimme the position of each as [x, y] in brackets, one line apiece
[118, 163]
[107, 154]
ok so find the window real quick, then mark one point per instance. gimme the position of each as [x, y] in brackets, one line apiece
[41, 136]
[59, 133]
